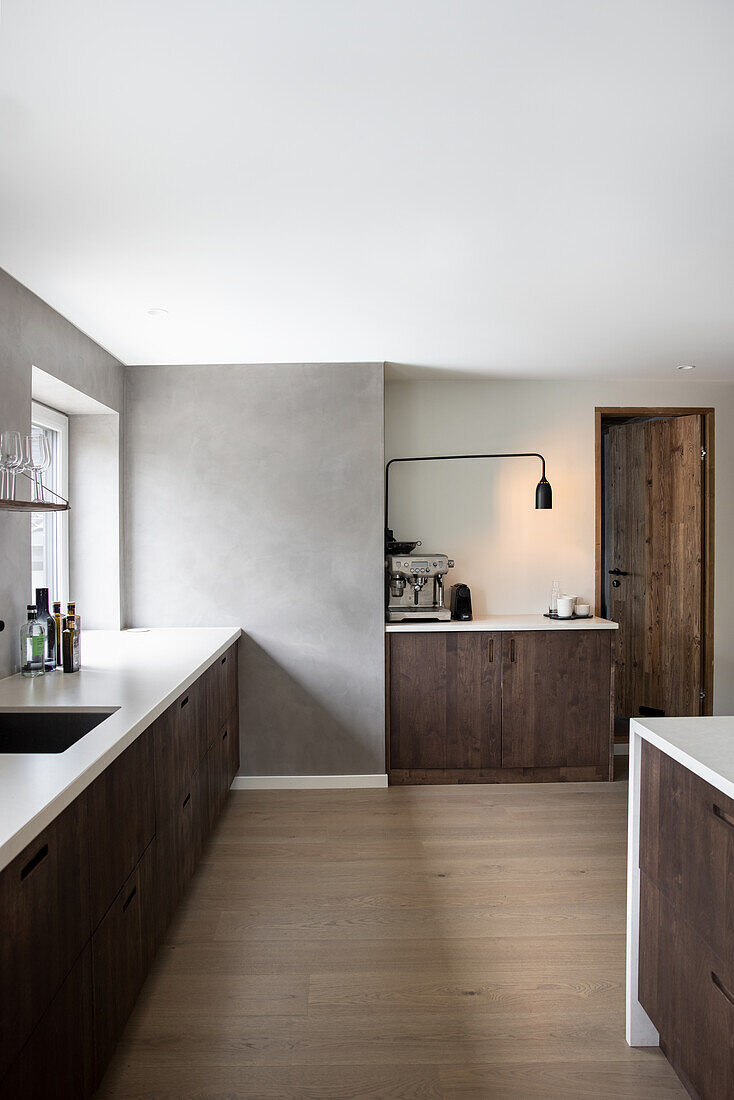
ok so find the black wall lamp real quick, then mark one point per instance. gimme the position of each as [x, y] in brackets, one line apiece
[543, 491]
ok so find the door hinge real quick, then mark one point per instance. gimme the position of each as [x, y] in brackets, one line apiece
[704, 452]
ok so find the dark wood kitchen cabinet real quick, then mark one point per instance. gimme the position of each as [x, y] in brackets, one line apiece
[121, 821]
[556, 690]
[122, 950]
[85, 905]
[58, 1060]
[44, 909]
[686, 946]
[468, 706]
[445, 698]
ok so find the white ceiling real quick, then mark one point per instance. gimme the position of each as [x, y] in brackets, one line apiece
[529, 188]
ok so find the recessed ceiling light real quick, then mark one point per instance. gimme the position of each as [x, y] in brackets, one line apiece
[157, 311]
[686, 366]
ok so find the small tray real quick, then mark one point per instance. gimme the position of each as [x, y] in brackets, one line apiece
[564, 618]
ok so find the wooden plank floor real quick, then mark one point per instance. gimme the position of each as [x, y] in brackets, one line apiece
[410, 942]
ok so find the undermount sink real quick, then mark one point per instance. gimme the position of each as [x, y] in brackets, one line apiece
[44, 731]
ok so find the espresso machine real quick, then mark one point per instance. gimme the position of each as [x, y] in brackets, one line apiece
[414, 584]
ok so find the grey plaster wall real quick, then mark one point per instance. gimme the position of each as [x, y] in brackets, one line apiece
[33, 333]
[253, 497]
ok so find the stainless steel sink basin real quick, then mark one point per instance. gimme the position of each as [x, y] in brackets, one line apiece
[45, 731]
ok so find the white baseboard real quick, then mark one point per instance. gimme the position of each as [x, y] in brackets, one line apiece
[305, 782]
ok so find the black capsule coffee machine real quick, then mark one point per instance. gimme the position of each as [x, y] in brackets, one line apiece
[461, 603]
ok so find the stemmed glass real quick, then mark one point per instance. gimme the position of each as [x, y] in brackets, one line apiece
[36, 459]
[11, 459]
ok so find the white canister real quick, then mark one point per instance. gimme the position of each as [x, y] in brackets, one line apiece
[566, 606]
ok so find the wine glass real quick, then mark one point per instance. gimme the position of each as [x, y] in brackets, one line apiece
[11, 459]
[36, 458]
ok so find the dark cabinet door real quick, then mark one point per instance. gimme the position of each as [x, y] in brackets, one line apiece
[177, 744]
[687, 846]
[44, 909]
[445, 700]
[121, 821]
[121, 954]
[556, 698]
[221, 690]
[57, 1060]
[178, 847]
[688, 993]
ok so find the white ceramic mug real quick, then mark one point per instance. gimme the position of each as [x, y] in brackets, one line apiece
[565, 606]
[583, 610]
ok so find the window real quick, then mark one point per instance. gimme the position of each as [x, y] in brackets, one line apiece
[50, 530]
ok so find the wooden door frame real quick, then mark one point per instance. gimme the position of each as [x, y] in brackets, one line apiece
[606, 413]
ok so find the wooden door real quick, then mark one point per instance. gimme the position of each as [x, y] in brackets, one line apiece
[655, 531]
[445, 700]
[555, 698]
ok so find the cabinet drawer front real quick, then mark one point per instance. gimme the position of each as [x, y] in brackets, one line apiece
[556, 698]
[177, 746]
[121, 821]
[57, 1060]
[221, 680]
[44, 902]
[688, 993]
[687, 846]
[178, 847]
[121, 953]
[232, 731]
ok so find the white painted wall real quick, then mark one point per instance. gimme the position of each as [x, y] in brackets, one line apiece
[482, 513]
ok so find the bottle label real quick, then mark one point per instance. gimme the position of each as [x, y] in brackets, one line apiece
[37, 645]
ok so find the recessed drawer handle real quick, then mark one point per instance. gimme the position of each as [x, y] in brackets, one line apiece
[186, 801]
[722, 988]
[224, 735]
[512, 649]
[726, 818]
[491, 650]
[130, 897]
[223, 659]
[34, 861]
[184, 702]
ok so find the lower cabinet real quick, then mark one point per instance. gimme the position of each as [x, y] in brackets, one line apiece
[122, 950]
[474, 706]
[556, 698]
[445, 700]
[686, 953]
[688, 993]
[85, 906]
[58, 1059]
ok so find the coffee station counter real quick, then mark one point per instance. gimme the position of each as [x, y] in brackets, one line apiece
[500, 699]
[504, 622]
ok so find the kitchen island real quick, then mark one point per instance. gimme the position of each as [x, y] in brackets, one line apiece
[99, 841]
[680, 897]
[501, 699]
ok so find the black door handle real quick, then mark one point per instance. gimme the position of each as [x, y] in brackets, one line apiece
[618, 573]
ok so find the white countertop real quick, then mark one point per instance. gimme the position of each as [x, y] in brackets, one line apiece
[703, 745]
[506, 622]
[140, 673]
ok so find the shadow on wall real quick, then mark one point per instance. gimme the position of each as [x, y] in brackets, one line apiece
[321, 742]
